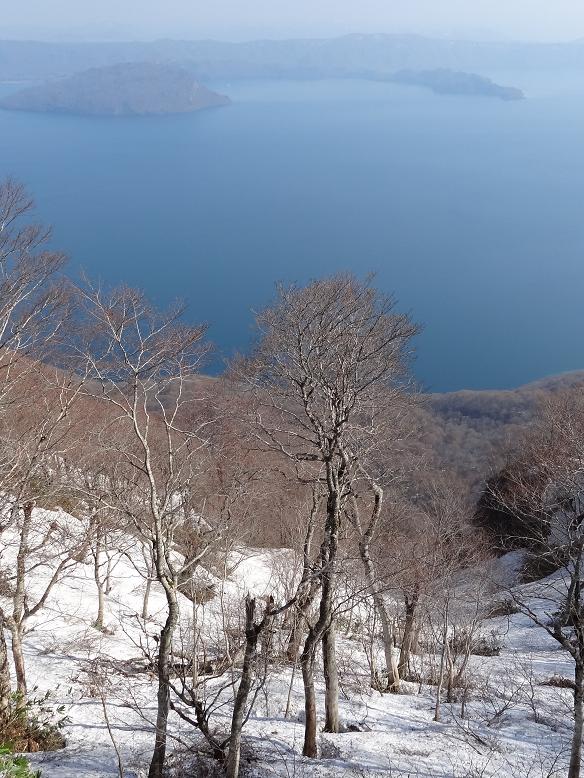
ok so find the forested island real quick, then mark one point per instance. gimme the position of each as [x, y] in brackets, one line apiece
[451, 82]
[129, 89]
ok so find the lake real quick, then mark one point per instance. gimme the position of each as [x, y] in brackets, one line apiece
[470, 210]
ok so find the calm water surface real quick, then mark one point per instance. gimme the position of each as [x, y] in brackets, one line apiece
[470, 210]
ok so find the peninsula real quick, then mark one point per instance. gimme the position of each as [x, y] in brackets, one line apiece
[453, 82]
[128, 89]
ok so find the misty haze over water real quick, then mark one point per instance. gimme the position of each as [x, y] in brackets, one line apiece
[470, 210]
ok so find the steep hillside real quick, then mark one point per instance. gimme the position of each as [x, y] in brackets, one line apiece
[471, 431]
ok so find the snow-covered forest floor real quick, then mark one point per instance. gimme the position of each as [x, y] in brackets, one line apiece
[513, 722]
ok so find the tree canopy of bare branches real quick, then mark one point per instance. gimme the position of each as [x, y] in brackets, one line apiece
[329, 364]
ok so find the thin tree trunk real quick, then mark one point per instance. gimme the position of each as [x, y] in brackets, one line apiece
[365, 539]
[163, 695]
[439, 685]
[150, 571]
[383, 615]
[442, 663]
[324, 627]
[252, 633]
[390, 659]
[98, 623]
[328, 560]
[195, 660]
[147, 589]
[5, 685]
[307, 588]
[19, 664]
[576, 750]
[16, 623]
[450, 682]
[108, 572]
[331, 677]
[451, 647]
[307, 662]
[299, 619]
[415, 637]
[290, 688]
[409, 629]
[295, 639]
[111, 733]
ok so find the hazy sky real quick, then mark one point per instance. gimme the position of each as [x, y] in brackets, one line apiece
[241, 19]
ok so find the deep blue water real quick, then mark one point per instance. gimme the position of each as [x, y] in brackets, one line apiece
[470, 210]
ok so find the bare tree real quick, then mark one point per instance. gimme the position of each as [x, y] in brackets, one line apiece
[40, 437]
[241, 710]
[329, 359]
[32, 294]
[366, 531]
[35, 401]
[544, 494]
[144, 363]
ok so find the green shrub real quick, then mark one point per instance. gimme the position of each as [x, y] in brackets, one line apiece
[12, 766]
[33, 725]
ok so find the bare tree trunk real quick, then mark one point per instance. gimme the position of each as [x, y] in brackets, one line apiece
[439, 685]
[576, 750]
[409, 629]
[450, 659]
[390, 660]
[415, 637]
[299, 618]
[163, 696]
[307, 588]
[307, 662]
[365, 539]
[290, 688]
[442, 663]
[110, 732]
[195, 659]
[324, 627]
[316, 634]
[147, 589]
[16, 623]
[5, 686]
[19, 665]
[383, 615]
[98, 623]
[295, 639]
[331, 677]
[108, 572]
[252, 633]
[387, 632]
[150, 571]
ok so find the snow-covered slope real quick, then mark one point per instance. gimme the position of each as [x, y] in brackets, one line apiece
[513, 724]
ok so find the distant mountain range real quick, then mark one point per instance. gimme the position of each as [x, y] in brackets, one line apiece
[351, 55]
